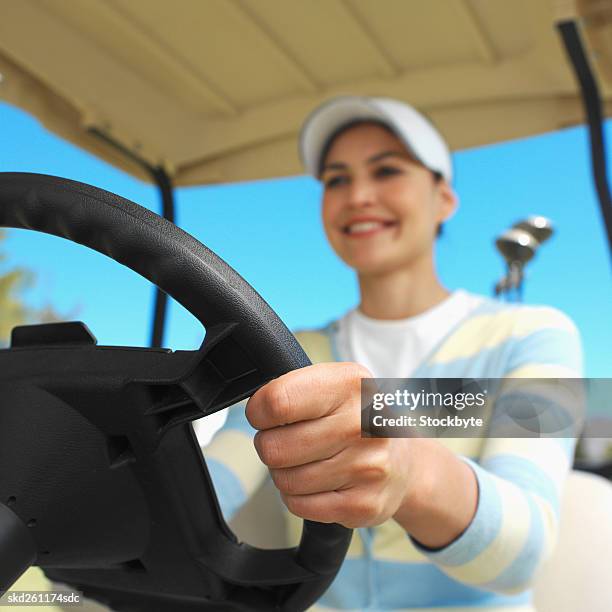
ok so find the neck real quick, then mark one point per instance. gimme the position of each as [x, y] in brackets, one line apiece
[403, 293]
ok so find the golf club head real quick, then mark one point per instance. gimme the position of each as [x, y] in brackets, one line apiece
[516, 246]
[539, 227]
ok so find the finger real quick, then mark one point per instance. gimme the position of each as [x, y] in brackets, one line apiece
[316, 477]
[355, 466]
[305, 394]
[352, 508]
[321, 507]
[307, 441]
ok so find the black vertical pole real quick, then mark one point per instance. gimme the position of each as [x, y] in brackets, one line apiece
[592, 103]
[163, 182]
[161, 299]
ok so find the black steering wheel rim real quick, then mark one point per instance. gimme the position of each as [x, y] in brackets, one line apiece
[187, 271]
[155, 248]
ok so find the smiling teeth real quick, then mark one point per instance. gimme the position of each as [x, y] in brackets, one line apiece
[365, 226]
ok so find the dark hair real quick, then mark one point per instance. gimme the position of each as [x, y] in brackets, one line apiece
[437, 176]
[343, 128]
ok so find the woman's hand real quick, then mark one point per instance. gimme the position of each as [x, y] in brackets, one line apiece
[309, 436]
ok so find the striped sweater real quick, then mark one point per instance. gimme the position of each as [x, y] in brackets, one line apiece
[492, 564]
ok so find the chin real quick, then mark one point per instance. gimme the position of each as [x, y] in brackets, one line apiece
[374, 266]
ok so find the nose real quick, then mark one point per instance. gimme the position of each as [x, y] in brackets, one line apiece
[360, 193]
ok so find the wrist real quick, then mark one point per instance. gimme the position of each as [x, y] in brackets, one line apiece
[443, 500]
[420, 467]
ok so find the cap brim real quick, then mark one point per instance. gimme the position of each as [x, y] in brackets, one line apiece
[327, 119]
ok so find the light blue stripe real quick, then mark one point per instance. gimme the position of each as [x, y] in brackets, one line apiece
[526, 474]
[568, 445]
[520, 571]
[548, 346]
[229, 491]
[487, 363]
[492, 306]
[413, 586]
[367, 539]
[482, 530]
[331, 332]
[399, 585]
[349, 589]
[237, 421]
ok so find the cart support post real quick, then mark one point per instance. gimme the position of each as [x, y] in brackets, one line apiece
[164, 184]
[161, 299]
[593, 107]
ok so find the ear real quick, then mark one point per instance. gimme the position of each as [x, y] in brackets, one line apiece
[448, 201]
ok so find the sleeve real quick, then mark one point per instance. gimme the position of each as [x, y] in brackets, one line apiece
[233, 463]
[519, 479]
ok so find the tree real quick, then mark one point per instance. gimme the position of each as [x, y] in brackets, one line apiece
[13, 310]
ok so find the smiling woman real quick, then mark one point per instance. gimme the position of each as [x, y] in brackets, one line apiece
[454, 523]
[382, 208]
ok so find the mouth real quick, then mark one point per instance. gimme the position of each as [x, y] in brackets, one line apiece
[363, 228]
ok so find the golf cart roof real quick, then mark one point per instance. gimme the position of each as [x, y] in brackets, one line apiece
[215, 90]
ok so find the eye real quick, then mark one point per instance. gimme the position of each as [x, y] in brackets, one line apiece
[385, 171]
[336, 181]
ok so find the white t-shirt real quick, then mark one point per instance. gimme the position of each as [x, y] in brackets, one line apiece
[394, 349]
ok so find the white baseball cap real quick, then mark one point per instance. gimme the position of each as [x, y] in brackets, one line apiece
[417, 133]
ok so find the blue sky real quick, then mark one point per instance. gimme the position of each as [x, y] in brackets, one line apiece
[270, 232]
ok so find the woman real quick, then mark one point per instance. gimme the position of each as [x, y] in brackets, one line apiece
[455, 523]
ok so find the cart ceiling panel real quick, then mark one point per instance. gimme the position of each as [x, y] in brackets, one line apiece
[215, 90]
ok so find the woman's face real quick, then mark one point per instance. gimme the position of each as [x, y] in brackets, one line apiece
[381, 208]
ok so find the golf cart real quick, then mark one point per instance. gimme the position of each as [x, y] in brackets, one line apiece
[181, 118]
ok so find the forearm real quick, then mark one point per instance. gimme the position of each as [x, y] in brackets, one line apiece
[443, 503]
[514, 526]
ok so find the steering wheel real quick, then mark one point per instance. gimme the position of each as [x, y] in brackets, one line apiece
[102, 481]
